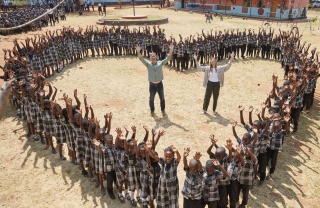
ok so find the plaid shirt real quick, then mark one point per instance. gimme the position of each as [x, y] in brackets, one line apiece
[244, 39]
[121, 158]
[180, 51]
[276, 140]
[186, 48]
[234, 169]
[210, 184]
[109, 157]
[246, 176]
[310, 86]
[263, 142]
[226, 41]
[192, 188]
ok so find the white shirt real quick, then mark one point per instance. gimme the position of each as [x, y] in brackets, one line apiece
[213, 77]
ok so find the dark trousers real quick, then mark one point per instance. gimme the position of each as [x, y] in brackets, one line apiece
[295, 113]
[111, 47]
[148, 50]
[153, 89]
[180, 62]
[111, 178]
[245, 193]
[51, 20]
[263, 162]
[233, 192]
[307, 98]
[201, 54]
[188, 203]
[312, 96]
[220, 53]
[223, 193]
[273, 156]
[212, 89]
[115, 48]
[264, 50]
[185, 61]
[213, 204]
[243, 50]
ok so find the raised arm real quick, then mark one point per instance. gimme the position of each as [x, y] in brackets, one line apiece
[185, 155]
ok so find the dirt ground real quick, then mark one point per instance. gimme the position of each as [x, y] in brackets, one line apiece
[33, 177]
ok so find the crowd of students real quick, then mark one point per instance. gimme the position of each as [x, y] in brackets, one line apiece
[140, 174]
[19, 17]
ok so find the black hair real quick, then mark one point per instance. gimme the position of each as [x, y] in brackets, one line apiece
[209, 164]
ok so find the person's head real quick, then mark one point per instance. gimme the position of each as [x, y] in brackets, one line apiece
[193, 166]
[220, 153]
[168, 155]
[77, 118]
[108, 140]
[257, 124]
[153, 58]
[213, 63]
[246, 139]
[101, 134]
[141, 149]
[130, 145]
[209, 167]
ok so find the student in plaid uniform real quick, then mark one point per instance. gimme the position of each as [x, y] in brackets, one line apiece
[276, 142]
[233, 170]
[222, 157]
[76, 121]
[121, 167]
[132, 154]
[246, 175]
[59, 129]
[192, 189]
[214, 174]
[168, 188]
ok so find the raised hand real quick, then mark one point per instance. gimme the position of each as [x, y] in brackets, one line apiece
[213, 141]
[148, 145]
[138, 48]
[186, 152]
[257, 112]
[197, 156]
[241, 108]
[173, 148]
[119, 131]
[146, 128]
[234, 124]
[250, 109]
[161, 133]
[216, 163]
[134, 129]
[229, 144]
[195, 57]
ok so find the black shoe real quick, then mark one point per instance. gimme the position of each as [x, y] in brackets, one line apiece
[128, 197]
[85, 173]
[133, 203]
[139, 200]
[42, 141]
[261, 183]
[111, 194]
[54, 151]
[103, 191]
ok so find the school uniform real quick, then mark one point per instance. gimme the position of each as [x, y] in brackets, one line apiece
[154, 176]
[233, 170]
[121, 167]
[109, 165]
[263, 143]
[168, 188]
[210, 190]
[48, 122]
[246, 179]
[275, 146]
[132, 174]
[144, 180]
[192, 189]
[59, 130]
[79, 143]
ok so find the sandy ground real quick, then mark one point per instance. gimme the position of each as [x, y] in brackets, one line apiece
[32, 177]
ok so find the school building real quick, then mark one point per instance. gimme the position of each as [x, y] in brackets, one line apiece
[278, 9]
